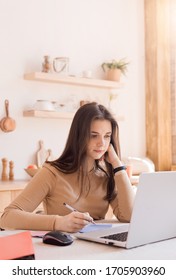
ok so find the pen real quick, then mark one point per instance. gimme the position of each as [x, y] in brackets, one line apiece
[74, 210]
[69, 207]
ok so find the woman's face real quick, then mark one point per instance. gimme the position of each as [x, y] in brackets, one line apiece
[100, 137]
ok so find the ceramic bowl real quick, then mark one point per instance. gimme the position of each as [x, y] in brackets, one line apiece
[44, 105]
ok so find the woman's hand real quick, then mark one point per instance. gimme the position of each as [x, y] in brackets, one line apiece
[73, 222]
[112, 157]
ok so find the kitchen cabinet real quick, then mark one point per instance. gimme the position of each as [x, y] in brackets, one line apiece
[9, 190]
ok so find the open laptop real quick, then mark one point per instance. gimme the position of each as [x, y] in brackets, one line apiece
[153, 218]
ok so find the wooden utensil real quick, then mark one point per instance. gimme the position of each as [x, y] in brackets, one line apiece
[7, 124]
[42, 154]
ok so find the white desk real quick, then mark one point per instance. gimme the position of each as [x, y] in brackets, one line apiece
[84, 250]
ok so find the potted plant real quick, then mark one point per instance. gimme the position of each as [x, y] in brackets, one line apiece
[115, 68]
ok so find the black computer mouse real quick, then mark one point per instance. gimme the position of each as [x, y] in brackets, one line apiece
[58, 238]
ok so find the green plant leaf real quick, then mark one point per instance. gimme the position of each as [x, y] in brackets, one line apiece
[116, 64]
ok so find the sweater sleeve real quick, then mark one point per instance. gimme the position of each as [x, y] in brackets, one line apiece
[20, 213]
[122, 205]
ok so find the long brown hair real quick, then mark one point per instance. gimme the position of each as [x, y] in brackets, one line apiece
[73, 157]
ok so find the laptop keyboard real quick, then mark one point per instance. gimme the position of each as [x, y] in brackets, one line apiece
[118, 236]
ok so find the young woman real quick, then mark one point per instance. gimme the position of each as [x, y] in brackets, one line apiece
[88, 176]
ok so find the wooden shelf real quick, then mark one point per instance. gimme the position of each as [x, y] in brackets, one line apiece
[48, 114]
[56, 115]
[74, 81]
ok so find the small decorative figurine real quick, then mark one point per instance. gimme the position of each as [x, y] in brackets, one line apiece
[46, 66]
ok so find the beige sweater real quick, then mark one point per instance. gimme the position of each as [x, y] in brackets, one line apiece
[54, 188]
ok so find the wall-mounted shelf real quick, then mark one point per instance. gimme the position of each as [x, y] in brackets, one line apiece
[48, 114]
[74, 81]
[56, 115]
[67, 80]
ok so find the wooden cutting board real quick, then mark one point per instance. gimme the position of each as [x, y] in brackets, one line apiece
[50, 155]
[42, 154]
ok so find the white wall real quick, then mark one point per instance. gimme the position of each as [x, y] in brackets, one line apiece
[88, 32]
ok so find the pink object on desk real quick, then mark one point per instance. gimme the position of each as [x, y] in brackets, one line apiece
[16, 246]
